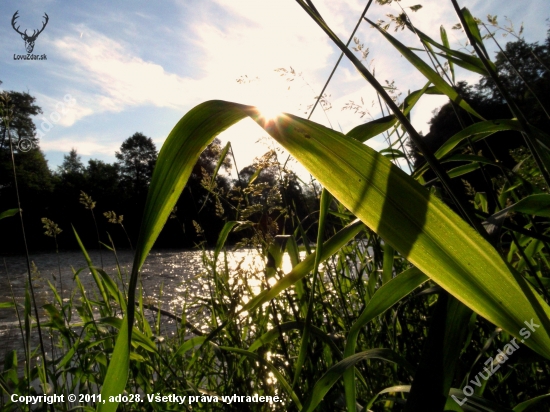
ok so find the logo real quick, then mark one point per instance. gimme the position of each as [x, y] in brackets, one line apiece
[29, 40]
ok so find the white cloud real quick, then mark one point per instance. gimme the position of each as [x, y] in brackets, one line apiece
[120, 78]
[84, 145]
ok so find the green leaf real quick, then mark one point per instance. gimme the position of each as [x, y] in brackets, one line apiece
[6, 305]
[384, 298]
[323, 385]
[477, 131]
[427, 71]
[445, 41]
[117, 372]
[222, 237]
[488, 126]
[366, 131]
[462, 170]
[527, 405]
[413, 221]
[537, 205]
[463, 59]
[8, 213]
[474, 29]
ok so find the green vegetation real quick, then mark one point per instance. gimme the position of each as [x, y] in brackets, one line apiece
[420, 292]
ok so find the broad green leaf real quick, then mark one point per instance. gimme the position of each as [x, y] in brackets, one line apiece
[414, 222]
[366, 131]
[117, 372]
[488, 126]
[474, 29]
[8, 213]
[427, 71]
[528, 405]
[537, 205]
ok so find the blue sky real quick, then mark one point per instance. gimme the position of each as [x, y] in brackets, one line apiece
[140, 65]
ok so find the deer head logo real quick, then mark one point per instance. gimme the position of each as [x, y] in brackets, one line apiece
[29, 40]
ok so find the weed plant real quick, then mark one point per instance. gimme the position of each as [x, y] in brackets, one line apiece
[400, 303]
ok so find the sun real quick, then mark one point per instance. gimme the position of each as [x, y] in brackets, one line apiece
[270, 111]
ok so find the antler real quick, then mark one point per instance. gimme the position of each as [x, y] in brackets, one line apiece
[15, 16]
[43, 25]
[34, 33]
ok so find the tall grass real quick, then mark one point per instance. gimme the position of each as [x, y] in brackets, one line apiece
[396, 306]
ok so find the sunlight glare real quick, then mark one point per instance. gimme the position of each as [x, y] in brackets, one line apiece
[270, 110]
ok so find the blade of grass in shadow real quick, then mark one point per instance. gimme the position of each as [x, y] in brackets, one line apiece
[323, 385]
[434, 375]
[383, 299]
[528, 405]
[326, 198]
[280, 378]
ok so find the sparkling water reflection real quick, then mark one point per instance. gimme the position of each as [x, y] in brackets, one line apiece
[172, 280]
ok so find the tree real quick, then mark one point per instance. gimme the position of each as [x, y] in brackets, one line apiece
[136, 159]
[21, 124]
[72, 164]
[522, 69]
[101, 178]
[532, 97]
[34, 179]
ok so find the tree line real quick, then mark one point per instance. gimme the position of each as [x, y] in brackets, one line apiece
[104, 202]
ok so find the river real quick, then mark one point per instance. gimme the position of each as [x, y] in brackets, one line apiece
[179, 274]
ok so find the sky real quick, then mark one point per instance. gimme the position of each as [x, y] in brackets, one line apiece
[118, 67]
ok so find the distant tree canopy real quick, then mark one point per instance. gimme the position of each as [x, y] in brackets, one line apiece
[136, 161]
[523, 68]
[21, 124]
[268, 201]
